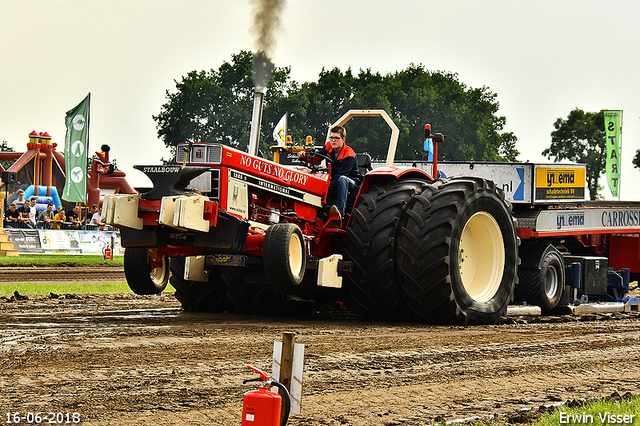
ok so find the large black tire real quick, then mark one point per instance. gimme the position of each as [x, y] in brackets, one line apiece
[142, 275]
[541, 277]
[458, 252]
[373, 284]
[284, 255]
[248, 291]
[197, 296]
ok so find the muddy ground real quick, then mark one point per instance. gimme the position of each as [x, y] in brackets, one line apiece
[132, 360]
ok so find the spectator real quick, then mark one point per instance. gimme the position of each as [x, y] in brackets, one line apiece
[75, 217]
[33, 213]
[25, 212]
[46, 217]
[12, 216]
[58, 218]
[20, 201]
[95, 216]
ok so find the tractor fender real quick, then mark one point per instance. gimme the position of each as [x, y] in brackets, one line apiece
[383, 175]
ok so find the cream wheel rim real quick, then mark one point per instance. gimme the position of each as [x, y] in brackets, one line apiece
[296, 255]
[158, 274]
[481, 257]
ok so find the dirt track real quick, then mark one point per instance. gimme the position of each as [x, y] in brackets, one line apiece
[131, 360]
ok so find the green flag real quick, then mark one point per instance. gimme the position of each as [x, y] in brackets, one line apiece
[613, 130]
[76, 144]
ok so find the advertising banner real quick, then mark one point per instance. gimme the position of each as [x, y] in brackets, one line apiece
[560, 182]
[54, 241]
[26, 241]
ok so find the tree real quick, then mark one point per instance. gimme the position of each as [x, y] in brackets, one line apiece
[636, 159]
[216, 107]
[581, 138]
[4, 147]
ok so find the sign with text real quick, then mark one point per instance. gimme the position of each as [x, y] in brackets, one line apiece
[560, 182]
[613, 130]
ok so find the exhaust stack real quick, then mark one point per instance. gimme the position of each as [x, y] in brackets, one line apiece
[256, 119]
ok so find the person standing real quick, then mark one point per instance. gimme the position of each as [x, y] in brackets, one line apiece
[75, 217]
[58, 218]
[46, 217]
[20, 201]
[12, 216]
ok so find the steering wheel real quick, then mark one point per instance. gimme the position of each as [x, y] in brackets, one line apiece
[312, 165]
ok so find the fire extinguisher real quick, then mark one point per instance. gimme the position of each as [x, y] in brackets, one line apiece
[107, 253]
[262, 407]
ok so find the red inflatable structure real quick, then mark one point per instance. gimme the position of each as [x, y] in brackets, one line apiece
[40, 171]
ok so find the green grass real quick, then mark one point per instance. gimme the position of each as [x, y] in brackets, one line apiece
[44, 289]
[48, 259]
[596, 413]
[600, 413]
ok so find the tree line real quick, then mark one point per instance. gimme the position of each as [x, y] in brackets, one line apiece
[216, 105]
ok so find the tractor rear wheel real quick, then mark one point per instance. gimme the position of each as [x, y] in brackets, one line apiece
[197, 296]
[248, 291]
[373, 284]
[458, 252]
[145, 273]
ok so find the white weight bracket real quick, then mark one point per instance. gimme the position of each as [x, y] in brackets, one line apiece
[121, 210]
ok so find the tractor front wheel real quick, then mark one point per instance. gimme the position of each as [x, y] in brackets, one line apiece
[145, 271]
[284, 255]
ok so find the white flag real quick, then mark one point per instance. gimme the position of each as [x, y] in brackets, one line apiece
[280, 131]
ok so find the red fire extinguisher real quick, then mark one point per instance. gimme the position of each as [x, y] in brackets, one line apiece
[107, 253]
[262, 407]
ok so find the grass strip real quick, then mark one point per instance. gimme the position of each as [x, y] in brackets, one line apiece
[609, 411]
[57, 259]
[44, 289]
[612, 410]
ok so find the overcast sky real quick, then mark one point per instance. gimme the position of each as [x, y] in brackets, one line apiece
[542, 58]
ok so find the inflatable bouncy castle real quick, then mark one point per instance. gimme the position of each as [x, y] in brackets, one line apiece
[40, 172]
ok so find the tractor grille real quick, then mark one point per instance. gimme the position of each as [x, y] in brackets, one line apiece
[208, 184]
[200, 154]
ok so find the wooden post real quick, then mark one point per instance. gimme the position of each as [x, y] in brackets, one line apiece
[286, 365]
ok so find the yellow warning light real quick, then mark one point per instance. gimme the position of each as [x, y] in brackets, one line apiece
[309, 140]
[289, 142]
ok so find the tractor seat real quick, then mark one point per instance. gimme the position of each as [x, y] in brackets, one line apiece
[364, 163]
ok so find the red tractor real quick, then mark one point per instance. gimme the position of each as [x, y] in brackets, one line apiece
[234, 231]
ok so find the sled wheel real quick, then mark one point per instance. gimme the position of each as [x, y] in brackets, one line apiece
[145, 272]
[373, 284]
[458, 252]
[542, 283]
[284, 255]
[197, 296]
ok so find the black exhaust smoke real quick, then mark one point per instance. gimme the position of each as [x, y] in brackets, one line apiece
[266, 21]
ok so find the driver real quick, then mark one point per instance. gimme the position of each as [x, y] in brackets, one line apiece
[345, 175]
